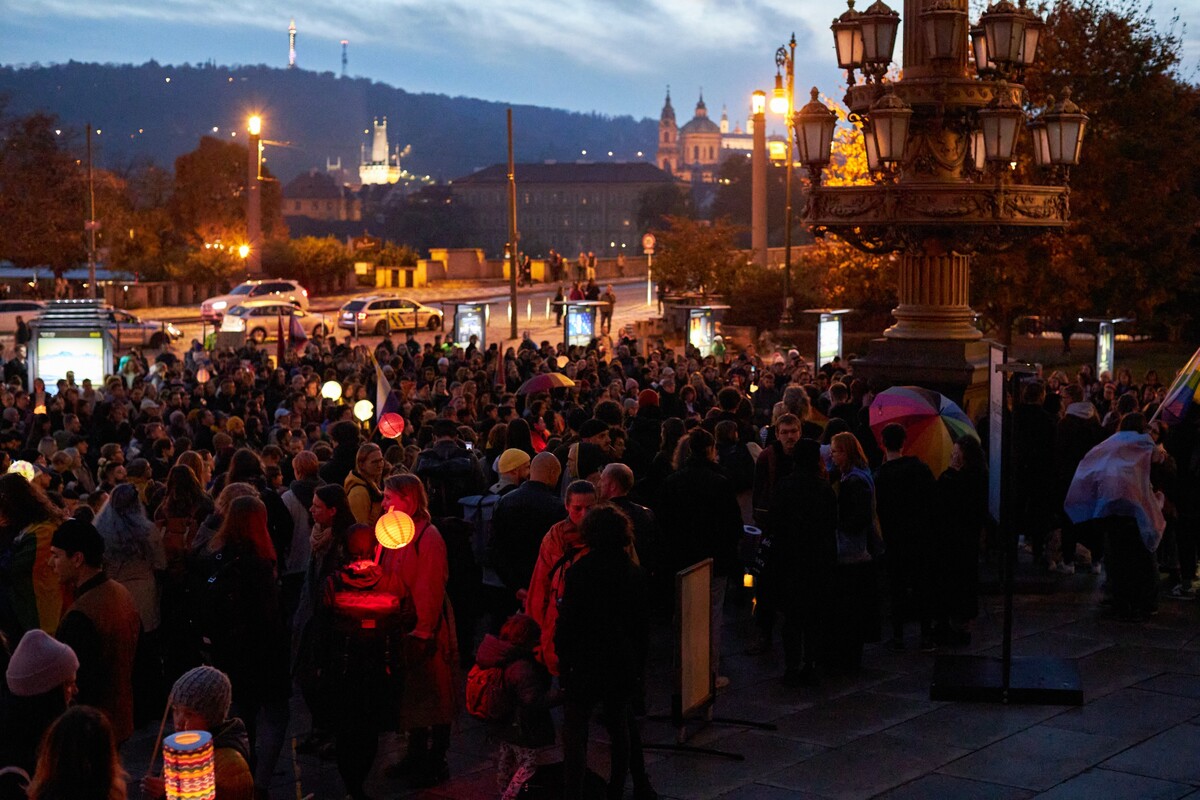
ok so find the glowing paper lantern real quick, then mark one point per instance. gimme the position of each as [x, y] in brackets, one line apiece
[202, 375]
[394, 530]
[331, 390]
[391, 425]
[189, 770]
[39, 409]
[562, 361]
[23, 468]
[364, 410]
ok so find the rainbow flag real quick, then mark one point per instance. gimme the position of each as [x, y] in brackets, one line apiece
[1184, 391]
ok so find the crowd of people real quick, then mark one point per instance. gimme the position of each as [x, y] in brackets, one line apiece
[203, 536]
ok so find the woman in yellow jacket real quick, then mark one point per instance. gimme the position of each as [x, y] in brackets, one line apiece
[362, 484]
[34, 593]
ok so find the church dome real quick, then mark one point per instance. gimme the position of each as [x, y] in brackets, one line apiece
[700, 125]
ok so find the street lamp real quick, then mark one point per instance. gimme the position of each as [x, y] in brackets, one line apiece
[758, 179]
[781, 103]
[254, 195]
[944, 138]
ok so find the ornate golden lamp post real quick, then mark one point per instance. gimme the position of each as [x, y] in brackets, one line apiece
[941, 144]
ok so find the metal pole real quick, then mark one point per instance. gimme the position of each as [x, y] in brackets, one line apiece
[786, 319]
[91, 225]
[254, 204]
[758, 189]
[513, 236]
[649, 279]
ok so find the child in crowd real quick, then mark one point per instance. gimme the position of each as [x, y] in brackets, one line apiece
[200, 701]
[520, 717]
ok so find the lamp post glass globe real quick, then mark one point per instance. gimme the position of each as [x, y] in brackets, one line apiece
[779, 99]
[254, 125]
[758, 102]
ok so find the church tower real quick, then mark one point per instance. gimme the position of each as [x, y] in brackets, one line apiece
[724, 120]
[379, 168]
[668, 139]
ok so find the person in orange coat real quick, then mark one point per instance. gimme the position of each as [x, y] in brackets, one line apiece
[561, 547]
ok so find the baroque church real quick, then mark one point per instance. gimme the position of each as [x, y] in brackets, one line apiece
[693, 153]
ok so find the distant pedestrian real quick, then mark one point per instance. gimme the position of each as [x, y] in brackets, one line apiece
[609, 298]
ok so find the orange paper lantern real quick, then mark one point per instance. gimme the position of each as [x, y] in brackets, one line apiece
[391, 425]
[394, 530]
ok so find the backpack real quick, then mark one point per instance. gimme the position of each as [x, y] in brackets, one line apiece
[448, 479]
[477, 511]
[465, 574]
[487, 697]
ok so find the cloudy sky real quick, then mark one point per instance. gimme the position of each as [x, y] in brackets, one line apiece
[610, 56]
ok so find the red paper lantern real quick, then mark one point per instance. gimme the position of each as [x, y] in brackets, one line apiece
[391, 425]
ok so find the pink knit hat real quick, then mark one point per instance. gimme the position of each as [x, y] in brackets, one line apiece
[39, 664]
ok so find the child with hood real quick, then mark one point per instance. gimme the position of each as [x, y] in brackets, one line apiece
[523, 725]
[200, 701]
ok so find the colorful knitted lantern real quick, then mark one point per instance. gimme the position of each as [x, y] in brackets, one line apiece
[394, 530]
[202, 375]
[22, 468]
[331, 390]
[364, 410]
[189, 771]
[391, 425]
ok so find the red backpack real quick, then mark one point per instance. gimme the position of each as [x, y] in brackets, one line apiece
[487, 697]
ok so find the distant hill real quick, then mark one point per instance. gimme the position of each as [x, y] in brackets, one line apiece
[159, 112]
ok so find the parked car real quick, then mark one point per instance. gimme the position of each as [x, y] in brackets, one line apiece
[212, 309]
[376, 313]
[260, 318]
[27, 310]
[129, 331]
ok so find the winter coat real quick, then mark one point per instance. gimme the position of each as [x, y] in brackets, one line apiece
[520, 521]
[856, 517]
[298, 500]
[231, 757]
[771, 466]
[962, 500]
[417, 574]
[561, 547]
[803, 534]
[366, 501]
[700, 516]
[527, 684]
[602, 634]
[102, 627]
[905, 501]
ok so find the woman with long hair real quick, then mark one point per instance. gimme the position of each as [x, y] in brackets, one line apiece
[855, 596]
[199, 467]
[418, 573]
[27, 522]
[79, 759]
[518, 436]
[134, 557]
[250, 638]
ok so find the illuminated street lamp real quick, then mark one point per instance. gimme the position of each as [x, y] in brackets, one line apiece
[758, 179]
[782, 103]
[254, 196]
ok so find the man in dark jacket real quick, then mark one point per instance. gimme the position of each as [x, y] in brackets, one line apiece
[616, 482]
[345, 451]
[904, 500]
[701, 519]
[803, 530]
[521, 519]
[101, 625]
[1034, 443]
[449, 471]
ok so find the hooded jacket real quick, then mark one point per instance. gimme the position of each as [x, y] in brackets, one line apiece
[528, 686]
[231, 757]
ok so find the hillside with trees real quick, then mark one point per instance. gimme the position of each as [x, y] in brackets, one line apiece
[155, 112]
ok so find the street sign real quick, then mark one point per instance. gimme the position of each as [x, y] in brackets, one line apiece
[648, 242]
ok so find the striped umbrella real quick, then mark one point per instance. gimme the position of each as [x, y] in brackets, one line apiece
[931, 421]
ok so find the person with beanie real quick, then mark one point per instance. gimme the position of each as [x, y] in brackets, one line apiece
[513, 469]
[40, 683]
[101, 625]
[200, 701]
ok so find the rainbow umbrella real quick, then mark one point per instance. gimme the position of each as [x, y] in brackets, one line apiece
[933, 423]
[544, 382]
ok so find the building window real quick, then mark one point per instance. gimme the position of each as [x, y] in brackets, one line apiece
[695, 153]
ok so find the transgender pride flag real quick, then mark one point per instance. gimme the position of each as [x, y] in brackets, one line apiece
[1184, 392]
